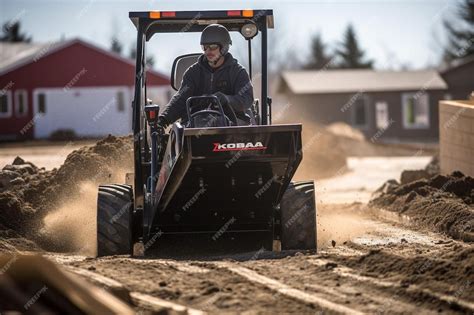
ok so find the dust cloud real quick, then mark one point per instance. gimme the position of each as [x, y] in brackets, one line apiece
[341, 223]
[72, 226]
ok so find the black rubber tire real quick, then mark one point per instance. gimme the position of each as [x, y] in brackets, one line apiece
[298, 214]
[114, 213]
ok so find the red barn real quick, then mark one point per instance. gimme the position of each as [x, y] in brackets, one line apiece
[69, 85]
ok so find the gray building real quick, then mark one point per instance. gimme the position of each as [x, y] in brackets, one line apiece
[460, 78]
[384, 105]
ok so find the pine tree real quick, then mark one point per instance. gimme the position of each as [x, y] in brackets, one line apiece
[319, 58]
[461, 36]
[12, 34]
[150, 61]
[116, 46]
[351, 55]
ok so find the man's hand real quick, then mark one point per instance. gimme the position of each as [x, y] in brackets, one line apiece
[222, 98]
[162, 123]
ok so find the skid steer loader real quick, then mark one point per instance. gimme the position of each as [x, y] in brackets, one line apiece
[209, 176]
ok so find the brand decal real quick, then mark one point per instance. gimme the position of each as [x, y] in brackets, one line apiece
[219, 147]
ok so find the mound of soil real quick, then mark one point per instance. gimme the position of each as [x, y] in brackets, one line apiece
[447, 272]
[445, 203]
[29, 193]
[433, 168]
[430, 170]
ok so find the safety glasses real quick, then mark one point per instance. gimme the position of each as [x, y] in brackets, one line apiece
[211, 47]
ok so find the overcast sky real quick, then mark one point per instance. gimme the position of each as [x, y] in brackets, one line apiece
[393, 33]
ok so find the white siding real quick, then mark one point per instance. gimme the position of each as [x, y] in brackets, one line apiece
[89, 111]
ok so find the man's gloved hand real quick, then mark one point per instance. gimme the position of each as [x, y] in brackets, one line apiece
[162, 123]
[222, 98]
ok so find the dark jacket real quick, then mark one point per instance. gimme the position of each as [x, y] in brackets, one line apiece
[230, 79]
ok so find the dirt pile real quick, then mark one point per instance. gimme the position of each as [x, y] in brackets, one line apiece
[430, 170]
[445, 203]
[326, 148]
[449, 271]
[28, 193]
[433, 168]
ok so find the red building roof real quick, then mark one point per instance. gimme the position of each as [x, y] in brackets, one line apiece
[68, 64]
[61, 59]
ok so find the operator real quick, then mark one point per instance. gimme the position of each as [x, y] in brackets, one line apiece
[215, 73]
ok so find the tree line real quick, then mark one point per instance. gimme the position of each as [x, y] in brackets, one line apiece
[348, 54]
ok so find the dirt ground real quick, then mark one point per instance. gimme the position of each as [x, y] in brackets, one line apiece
[370, 259]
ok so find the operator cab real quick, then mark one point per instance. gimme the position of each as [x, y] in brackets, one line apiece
[206, 110]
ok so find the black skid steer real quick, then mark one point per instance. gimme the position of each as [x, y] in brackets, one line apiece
[209, 176]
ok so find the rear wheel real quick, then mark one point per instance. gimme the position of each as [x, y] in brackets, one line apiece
[114, 213]
[298, 214]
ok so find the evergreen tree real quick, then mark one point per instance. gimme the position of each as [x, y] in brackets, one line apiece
[150, 61]
[461, 36]
[352, 57]
[115, 45]
[12, 33]
[319, 58]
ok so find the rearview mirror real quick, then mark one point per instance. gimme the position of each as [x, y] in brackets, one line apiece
[180, 65]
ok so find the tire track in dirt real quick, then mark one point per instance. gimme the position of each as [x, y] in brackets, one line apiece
[286, 290]
[199, 285]
[413, 289]
[303, 283]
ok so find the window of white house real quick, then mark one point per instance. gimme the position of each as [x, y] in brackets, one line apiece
[41, 103]
[359, 113]
[120, 101]
[5, 104]
[381, 115]
[21, 103]
[415, 110]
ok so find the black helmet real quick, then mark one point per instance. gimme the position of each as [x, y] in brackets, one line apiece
[216, 34]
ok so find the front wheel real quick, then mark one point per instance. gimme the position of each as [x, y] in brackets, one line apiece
[298, 214]
[114, 217]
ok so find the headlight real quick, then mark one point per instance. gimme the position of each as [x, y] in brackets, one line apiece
[249, 30]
